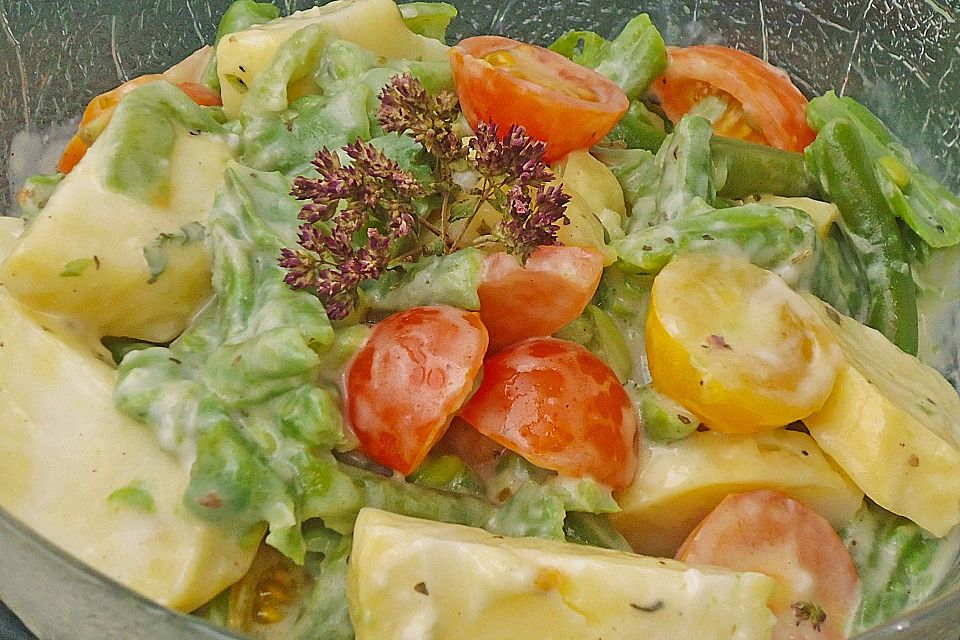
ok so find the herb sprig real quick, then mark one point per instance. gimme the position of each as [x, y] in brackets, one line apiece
[356, 212]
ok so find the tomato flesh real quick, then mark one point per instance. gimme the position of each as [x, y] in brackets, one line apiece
[415, 370]
[507, 82]
[539, 297]
[560, 407]
[763, 104]
[768, 532]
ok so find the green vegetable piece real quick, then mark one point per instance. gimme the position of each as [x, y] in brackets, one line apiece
[838, 274]
[156, 252]
[635, 58]
[134, 496]
[599, 333]
[450, 473]
[663, 419]
[243, 14]
[900, 565]
[747, 168]
[595, 530]
[119, 346]
[632, 60]
[295, 60]
[452, 279]
[781, 239]
[76, 267]
[839, 157]
[140, 139]
[36, 191]
[323, 611]
[686, 172]
[930, 210]
[429, 19]
[586, 48]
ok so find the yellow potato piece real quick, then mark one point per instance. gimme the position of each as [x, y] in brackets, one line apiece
[596, 203]
[82, 259]
[65, 450]
[423, 580]
[373, 24]
[892, 424]
[679, 483]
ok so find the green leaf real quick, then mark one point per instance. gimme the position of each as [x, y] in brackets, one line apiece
[76, 267]
[134, 496]
[429, 19]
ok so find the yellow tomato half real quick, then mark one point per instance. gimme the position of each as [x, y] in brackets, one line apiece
[736, 345]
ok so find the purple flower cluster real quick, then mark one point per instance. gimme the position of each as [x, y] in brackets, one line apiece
[354, 213]
[531, 222]
[406, 105]
[352, 216]
[514, 158]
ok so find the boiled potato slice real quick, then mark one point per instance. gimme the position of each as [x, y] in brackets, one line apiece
[412, 578]
[892, 424]
[93, 481]
[83, 257]
[90, 479]
[679, 483]
[373, 24]
[596, 202]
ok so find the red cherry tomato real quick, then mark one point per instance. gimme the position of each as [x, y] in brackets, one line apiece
[817, 585]
[506, 82]
[560, 407]
[763, 104]
[416, 369]
[537, 298]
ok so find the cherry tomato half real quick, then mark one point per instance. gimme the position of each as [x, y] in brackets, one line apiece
[415, 370]
[560, 407]
[736, 345]
[539, 297]
[817, 584]
[506, 82]
[763, 104]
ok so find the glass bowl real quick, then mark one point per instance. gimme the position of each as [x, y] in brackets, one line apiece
[900, 57]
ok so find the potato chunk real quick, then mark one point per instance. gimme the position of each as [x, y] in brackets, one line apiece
[679, 483]
[412, 578]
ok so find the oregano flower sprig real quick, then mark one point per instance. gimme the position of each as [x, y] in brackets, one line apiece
[355, 213]
[372, 199]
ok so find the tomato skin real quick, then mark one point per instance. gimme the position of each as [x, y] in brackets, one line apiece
[558, 101]
[201, 94]
[768, 532]
[774, 109]
[537, 298]
[735, 345]
[560, 407]
[404, 385]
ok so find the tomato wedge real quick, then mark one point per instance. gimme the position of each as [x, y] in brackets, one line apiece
[97, 115]
[817, 584]
[539, 297]
[415, 370]
[560, 407]
[507, 82]
[763, 105]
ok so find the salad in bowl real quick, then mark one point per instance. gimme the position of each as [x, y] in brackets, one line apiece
[336, 331]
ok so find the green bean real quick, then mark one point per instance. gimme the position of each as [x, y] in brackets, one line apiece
[839, 158]
[750, 168]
